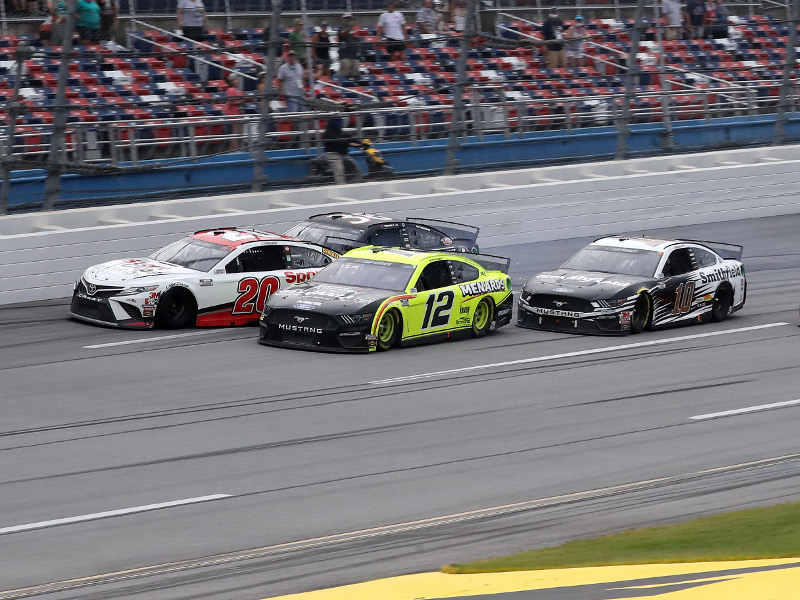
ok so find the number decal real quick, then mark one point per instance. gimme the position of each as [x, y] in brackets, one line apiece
[250, 289]
[683, 298]
[361, 219]
[441, 314]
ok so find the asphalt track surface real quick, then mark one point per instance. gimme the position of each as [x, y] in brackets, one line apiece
[253, 472]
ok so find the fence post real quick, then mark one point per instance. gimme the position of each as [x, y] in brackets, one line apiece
[23, 53]
[631, 78]
[786, 102]
[55, 158]
[266, 94]
[668, 137]
[457, 123]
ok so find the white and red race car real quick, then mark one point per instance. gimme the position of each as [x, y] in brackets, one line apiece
[216, 277]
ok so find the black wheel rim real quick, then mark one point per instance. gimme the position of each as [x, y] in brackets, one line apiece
[640, 312]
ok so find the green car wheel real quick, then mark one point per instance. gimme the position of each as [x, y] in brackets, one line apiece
[482, 319]
[388, 329]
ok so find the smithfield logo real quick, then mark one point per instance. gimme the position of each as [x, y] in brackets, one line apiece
[559, 304]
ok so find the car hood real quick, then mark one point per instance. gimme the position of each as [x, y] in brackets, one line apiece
[328, 298]
[585, 284]
[140, 269]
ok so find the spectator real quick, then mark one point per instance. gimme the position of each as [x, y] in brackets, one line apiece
[108, 19]
[297, 41]
[391, 25]
[321, 51]
[348, 48]
[719, 24]
[192, 19]
[553, 31]
[57, 10]
[87, 22]
[672, 8]
[575, 41]
[337, 147]
[695, 18]
[458, 12]
[290, 83]
[428, 20]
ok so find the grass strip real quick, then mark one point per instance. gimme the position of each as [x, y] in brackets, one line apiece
[772, 532]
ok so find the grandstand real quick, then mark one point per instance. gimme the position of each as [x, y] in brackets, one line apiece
[161, 96]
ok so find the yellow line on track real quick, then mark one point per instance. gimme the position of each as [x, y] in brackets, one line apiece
[711, 583]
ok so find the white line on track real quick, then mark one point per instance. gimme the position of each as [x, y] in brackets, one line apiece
[536, 359]
[110, 513]
[748, 409]
[153, 339]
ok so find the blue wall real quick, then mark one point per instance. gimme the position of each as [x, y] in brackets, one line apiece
[232, 173]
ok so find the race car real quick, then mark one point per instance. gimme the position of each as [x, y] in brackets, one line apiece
[215, 277]
[621, 284]
[374, 298]
[343, 232]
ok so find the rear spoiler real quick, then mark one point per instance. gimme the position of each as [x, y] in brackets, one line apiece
[726, 251]
[457, 231]
[488, 261]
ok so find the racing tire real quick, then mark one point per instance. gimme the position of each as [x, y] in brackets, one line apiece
[176, 309]
[388, 330]
[640, 317]
[721, 304]
[482, 318]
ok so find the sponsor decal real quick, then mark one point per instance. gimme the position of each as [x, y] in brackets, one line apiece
[147, 312]
[721, 274]
[371, 337]
[404, 302]
[219, 271]
[563, 290]
[554, 312]
[463, 321]
[299, 328]
[330, 253]
[477, 288]
[625, 318]
[304, 306]
[447, 241]
[708, 297]
[299, 277]
[206, 282]
[465, 310]
[177, 284]
[503, 311]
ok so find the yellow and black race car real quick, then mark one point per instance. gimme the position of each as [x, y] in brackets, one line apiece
[374, 298]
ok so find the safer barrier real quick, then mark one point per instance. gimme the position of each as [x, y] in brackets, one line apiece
[511, 208]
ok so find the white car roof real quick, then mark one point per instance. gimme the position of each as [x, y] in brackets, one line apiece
[637, 243]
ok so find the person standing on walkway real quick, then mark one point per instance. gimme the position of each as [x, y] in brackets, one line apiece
[553, 32]
[297, 41]
[337, 146]
[391, 25]
[576, 38]
[291, 85]
[348, 48]
[192, 19]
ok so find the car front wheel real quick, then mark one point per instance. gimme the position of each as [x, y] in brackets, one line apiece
[641, 313]
[388, 330]
[176, 309]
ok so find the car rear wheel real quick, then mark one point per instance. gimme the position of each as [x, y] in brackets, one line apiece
[388, 330]
[721, 304]
[176, 309]
[482, 319]
[641, 313]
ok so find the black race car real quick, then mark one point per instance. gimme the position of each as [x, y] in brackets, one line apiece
[342, 232]
[620, 284]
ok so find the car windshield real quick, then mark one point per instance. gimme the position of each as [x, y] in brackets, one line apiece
[193, 254]
[319, 232]
[363, 272]
[611, 259]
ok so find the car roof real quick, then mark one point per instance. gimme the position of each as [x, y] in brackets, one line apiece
[636, 242]
[401, 255]
[339, 219]
[237, 236]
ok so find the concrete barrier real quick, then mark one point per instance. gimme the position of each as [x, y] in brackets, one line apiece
[48, 251]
